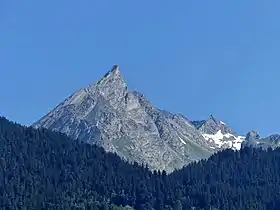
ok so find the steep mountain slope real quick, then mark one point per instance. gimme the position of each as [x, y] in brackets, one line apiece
[106, 113]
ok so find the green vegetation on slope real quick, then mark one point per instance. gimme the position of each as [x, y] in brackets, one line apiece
[41, 169]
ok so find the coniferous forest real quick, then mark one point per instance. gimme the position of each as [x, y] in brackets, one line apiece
[41, 169]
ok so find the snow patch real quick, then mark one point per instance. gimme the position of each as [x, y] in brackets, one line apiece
[218, 139]
[237, 142]
[182, 140]
[222, 123]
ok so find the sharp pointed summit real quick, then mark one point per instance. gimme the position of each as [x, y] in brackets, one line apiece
[212, 118]
[115, 68]
[114, 71]
[112, 76]
[200, 124]
[111, 86]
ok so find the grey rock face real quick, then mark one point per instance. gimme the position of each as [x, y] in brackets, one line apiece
[253, 139]
[212, 126]
[119, 120]
[252, 136]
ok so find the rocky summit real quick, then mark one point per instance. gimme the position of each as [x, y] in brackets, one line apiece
[219, 133]
[110, 115]
[253, 139]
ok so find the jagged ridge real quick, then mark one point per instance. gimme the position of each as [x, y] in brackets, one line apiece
[108, 114]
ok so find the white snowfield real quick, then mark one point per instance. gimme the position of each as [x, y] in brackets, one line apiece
[221, 140]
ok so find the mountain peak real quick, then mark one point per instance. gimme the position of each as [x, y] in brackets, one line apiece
[212, 125]
[211, 117]
[113, 74]
[112, 80]
[252, 135]
[111, 86]
[115, 71]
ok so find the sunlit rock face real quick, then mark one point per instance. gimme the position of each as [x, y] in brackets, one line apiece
[108, 114]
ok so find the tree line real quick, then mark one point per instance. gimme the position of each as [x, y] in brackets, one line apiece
[42, 169]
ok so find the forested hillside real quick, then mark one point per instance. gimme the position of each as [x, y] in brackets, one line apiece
[40, 169]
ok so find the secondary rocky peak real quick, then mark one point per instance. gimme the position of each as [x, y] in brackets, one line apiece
[252, 139]
[274, 137]
[207, 125]
[212, 125]
[252, 135]
[212, 118]
[272, 140]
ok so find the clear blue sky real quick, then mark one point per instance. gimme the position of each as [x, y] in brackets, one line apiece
[191, 57]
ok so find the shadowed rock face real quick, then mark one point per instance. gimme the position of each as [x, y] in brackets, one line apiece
[106, 113]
